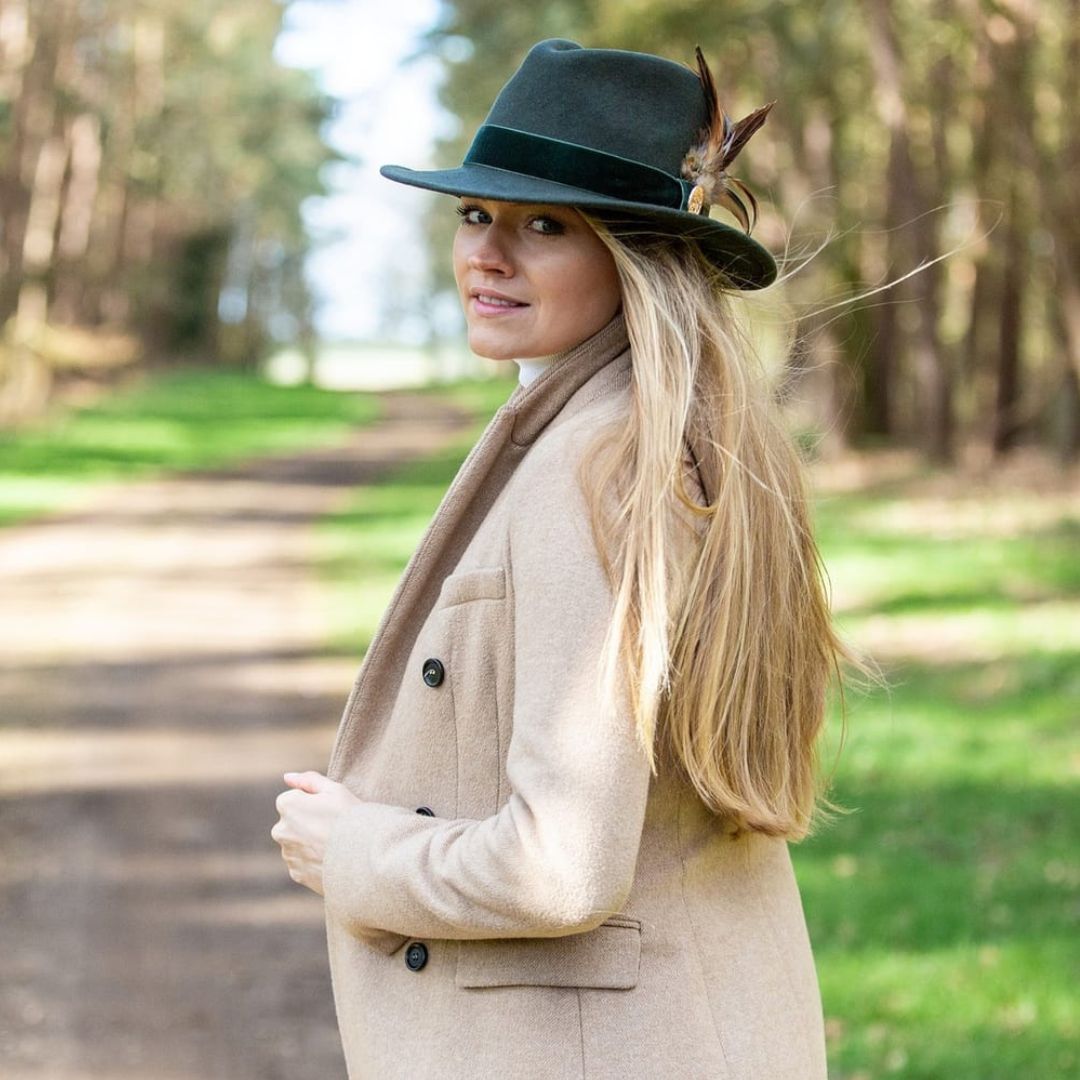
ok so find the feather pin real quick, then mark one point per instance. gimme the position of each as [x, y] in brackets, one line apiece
[720, 141]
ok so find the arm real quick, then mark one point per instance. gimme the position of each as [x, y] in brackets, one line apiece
[560, 855]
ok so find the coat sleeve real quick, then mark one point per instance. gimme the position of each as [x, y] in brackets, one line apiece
[559, 857]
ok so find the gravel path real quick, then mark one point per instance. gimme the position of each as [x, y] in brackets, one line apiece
[161, 664]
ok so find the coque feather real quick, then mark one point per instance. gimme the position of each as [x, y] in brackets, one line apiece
[719, 143]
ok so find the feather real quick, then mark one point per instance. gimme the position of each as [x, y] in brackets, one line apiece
[719, 143]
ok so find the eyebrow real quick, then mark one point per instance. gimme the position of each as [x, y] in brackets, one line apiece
[523, 206]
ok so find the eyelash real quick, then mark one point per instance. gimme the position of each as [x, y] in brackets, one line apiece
[464, 211]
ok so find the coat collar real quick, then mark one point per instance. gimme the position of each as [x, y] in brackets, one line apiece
[598, 365]
[536, 404]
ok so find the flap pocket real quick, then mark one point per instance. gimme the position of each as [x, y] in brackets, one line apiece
[386, 941]
[606, 957]
[485, 583]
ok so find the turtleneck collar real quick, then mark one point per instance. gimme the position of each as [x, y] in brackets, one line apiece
[533, 366]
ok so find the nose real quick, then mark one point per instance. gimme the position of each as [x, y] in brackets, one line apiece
[489, 254]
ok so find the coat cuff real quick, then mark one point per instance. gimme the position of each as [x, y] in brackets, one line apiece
[350, 882]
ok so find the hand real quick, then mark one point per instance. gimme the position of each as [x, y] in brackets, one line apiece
[308, 811]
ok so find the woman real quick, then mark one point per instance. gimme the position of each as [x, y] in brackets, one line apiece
[553, 836]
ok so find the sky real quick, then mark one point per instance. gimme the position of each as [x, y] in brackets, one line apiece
[388, 115]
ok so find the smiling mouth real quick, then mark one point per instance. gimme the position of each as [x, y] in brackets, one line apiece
[491, 299]
[488, 305]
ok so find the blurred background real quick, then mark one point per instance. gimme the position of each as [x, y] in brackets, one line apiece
[234, 386]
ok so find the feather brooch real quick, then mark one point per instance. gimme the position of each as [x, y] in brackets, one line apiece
[720, 142]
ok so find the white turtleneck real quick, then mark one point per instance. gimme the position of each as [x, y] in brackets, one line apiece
[533, 366]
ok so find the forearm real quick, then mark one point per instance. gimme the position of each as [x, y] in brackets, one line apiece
[387, 867]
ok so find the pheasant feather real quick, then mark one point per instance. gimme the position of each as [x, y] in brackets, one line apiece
[720, 141]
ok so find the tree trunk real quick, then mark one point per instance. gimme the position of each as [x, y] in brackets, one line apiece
[76, 215]
[1015, 108]
[909, 205]
[1007, 396]
[26, 377]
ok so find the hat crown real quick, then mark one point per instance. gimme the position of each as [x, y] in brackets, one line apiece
[634, 105]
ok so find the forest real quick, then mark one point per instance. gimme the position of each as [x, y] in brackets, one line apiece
[153, 162]
[194, 557]
[916, 178]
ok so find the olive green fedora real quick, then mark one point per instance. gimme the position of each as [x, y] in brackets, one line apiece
[613, 131]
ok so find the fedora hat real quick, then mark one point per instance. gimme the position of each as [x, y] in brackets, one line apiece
[635, 137]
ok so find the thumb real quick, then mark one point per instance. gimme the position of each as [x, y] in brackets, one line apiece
[311, 781]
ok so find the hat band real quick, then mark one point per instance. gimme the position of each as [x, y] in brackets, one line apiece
[578, 166]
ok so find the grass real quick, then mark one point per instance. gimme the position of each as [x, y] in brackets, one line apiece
[943, 908]
[192, 418]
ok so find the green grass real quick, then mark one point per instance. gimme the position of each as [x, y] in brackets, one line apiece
[188, 419]
[944, 908]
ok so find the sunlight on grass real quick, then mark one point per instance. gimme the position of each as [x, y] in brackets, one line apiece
[943, 908]
[187, 419]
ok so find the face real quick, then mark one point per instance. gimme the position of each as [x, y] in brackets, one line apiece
[556, 280]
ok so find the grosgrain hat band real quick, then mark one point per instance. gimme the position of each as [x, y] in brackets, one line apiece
[544, 158]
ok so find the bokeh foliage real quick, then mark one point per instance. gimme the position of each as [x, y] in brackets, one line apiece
[154, 158]
[903, 130]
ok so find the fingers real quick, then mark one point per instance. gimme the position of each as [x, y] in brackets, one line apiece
[311, 781]
[283, 799]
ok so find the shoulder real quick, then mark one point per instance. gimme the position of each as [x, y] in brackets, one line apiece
[549, 469]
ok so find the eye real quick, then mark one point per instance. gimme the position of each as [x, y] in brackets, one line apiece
[464, 212]
[555, 226]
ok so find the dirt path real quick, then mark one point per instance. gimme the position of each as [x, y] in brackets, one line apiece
[160, 666]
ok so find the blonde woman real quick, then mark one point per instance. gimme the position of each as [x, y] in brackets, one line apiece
[553, 837]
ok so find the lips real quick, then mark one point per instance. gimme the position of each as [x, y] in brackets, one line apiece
[489, 303]
[490, 298]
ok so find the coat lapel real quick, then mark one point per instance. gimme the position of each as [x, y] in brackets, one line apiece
[515, 426]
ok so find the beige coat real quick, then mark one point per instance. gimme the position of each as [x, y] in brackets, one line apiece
[517, 897]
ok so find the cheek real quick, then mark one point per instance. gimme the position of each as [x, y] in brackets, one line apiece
[587, 281]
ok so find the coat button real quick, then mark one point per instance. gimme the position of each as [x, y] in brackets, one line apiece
[416, 956]
[426, 811]
[433, 672]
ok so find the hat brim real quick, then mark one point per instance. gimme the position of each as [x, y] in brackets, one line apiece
[743, 259]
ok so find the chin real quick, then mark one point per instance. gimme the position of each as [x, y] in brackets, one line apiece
[491, 348]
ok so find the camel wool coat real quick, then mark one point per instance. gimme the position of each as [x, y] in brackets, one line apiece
[517, 897]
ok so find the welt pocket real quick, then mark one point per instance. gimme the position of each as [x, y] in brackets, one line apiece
[606, 957]
[484, 583]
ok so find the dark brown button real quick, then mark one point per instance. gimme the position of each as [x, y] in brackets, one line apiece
[433, 672]
[416, 956]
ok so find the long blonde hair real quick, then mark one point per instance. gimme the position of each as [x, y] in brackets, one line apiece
[726, 643]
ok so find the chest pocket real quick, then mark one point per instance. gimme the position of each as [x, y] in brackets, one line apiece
[476, 606]
[485, 583]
